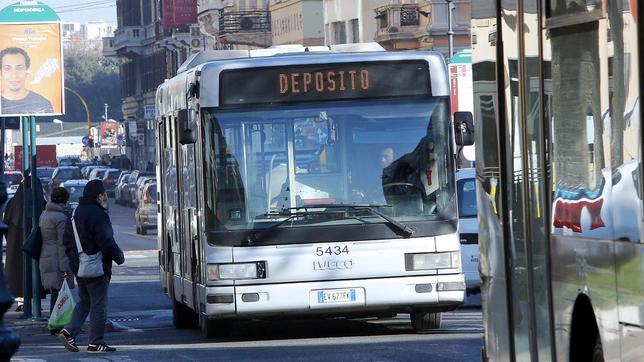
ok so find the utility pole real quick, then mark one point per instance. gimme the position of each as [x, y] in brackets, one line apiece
[450, 30]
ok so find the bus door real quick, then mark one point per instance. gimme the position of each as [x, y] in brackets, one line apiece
[170, 195]
[163, 242]
[189, 233]
[523, 169]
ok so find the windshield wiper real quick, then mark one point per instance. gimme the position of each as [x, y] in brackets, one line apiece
[255, 236]
[373, 208]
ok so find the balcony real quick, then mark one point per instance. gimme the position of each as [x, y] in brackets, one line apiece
[129, 40]
[403, 26]
[108, 47]
[245, 27]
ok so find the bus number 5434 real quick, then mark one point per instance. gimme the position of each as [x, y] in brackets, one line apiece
[332, 250]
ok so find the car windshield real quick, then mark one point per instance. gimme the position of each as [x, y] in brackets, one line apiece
[44, 172]
[75, 192]
[69, 161]
[69, 174]
[13, 178]
[466, 197]
[262, 162]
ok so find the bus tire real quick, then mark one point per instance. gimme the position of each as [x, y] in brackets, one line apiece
[423, 320]
[213, 328]
[182, 316]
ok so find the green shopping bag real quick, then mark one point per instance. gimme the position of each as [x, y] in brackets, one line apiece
[62, 312]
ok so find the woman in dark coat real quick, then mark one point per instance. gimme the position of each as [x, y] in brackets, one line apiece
[15, 234]
[54, 263]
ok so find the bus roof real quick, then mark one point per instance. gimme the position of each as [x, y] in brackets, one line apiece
[214, 55]
[201, 74]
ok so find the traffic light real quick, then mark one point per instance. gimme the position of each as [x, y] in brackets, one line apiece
[90, 141]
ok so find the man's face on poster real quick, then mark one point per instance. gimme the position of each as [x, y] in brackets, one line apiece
[14, 72]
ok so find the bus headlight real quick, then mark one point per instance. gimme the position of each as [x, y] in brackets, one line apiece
[255, 270]
[427, 261]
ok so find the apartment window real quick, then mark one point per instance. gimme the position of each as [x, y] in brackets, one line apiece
[355, 30]
[147, 12]
[339, 32]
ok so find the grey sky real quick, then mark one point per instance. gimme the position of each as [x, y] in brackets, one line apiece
[79, 10]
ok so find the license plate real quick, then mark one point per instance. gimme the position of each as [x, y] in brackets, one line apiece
[336, 295]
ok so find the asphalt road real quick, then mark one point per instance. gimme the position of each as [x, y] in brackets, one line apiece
[142, 329]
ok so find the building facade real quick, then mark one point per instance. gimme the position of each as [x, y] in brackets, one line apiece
[398, 24]
[86, 35]
[297, 22]
[235, 24]
[152, 40]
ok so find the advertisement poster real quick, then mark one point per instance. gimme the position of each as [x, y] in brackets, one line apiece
[31, 70]
[109, 133]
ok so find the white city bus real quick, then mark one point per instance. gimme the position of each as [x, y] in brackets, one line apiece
[311, 183]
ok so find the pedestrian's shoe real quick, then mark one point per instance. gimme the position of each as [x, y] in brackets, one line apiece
[68, 341]
[100, 348]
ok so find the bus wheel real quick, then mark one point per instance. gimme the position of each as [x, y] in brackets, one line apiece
[424, 320]
[182, 316]
[212, 328]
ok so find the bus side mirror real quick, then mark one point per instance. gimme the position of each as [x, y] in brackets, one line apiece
[188, 134]
[464, 128]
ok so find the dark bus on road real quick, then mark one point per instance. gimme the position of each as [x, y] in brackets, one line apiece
[557, 110]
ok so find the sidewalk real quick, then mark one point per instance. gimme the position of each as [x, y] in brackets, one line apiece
[27, 327]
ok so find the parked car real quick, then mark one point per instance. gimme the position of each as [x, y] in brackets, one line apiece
[142, 181]
[44, 173]
[87, 169]
[75, 189]
[119, 185]
[469, 232]
[62, 174]
[146, 211]
[132, 186]
[97, 173]
[69, 161]
[12, 180]
[109, 180]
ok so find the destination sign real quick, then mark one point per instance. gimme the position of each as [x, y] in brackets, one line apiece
[324, 82]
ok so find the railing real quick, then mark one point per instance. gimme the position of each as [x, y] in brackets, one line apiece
[409, 15]
[398, 15]
[244, 21]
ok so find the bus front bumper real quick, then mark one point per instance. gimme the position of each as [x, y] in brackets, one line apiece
[438, 292]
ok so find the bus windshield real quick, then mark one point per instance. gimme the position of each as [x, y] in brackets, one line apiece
[263, 165]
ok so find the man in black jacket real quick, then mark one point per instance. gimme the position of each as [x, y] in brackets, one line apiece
[96, 235]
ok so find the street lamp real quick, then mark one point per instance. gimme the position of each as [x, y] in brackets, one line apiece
[450, 31]
[56, 120]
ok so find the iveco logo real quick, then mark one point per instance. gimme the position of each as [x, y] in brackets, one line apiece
[333, 264]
